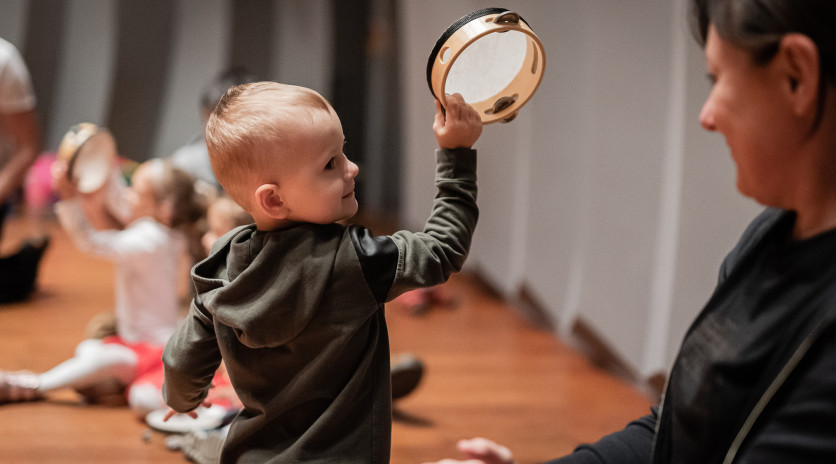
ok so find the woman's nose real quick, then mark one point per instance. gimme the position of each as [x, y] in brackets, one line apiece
[707, 116]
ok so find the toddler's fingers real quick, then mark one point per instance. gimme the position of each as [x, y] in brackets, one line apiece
[454, 106]
[473, 115]
[439, 115]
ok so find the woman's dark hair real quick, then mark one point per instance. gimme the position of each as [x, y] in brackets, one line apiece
[759, 25]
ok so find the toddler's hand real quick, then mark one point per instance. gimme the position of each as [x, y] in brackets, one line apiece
[172, 412]
[460, 127]
[192, 413]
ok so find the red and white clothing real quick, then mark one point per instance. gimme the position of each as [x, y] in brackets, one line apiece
[148, 258]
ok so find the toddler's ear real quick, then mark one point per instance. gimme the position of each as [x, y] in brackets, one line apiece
[269, 202]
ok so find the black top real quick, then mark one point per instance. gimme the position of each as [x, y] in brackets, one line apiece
[775, 298]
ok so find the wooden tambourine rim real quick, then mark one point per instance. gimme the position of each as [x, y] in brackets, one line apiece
[462, 34]
[74, 139]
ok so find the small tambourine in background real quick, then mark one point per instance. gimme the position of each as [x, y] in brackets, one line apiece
[492, 58]
[90, 152]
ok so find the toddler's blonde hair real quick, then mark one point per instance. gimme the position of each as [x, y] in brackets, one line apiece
[248, 129]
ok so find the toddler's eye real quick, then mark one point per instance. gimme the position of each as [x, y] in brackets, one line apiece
[332, 163]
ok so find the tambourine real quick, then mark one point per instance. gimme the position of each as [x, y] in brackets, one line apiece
[492, 58]
[89, 152]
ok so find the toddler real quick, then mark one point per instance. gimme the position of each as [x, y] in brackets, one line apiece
[294, 303]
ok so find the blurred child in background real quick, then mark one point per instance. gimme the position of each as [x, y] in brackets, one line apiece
[148, 253]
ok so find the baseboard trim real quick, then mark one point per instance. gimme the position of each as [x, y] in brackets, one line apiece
[583, 336]
[533, 309]
[524, 302]
[600, 353]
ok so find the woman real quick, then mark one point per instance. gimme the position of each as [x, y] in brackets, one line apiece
[755, 377]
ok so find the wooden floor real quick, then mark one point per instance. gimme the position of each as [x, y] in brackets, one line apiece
[488, 373]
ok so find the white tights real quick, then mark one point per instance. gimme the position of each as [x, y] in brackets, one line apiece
[95, 362]
[144, 398]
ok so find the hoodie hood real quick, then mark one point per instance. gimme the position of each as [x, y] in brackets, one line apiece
[267, 286]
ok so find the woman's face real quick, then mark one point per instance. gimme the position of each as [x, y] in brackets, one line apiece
[748, 107]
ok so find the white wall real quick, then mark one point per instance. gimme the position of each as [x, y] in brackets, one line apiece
[12, 20]
[604, 197]
[88, 53]
[304, 44]
[200, 50]
[302, 41]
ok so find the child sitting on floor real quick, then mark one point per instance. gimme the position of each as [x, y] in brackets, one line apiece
[147, 254]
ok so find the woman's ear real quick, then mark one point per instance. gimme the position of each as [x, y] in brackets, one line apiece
[801, 65]
[269, 202]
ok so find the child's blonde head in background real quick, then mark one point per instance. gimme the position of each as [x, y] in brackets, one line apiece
[223, 215]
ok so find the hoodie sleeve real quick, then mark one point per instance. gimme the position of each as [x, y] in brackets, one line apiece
[191, 358]
[429, 257]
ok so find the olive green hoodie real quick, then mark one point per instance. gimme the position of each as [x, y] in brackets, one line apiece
[297, 316]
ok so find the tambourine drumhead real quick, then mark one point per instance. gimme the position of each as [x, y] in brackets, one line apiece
[491, 57]
[89, 152]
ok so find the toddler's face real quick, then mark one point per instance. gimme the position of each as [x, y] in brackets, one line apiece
[318, 181]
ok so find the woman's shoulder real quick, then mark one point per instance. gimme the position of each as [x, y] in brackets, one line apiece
[765, 221]
[754, 233]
